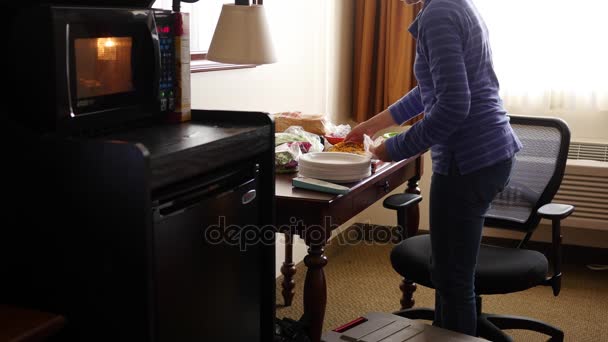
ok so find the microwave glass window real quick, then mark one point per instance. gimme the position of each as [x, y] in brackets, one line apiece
[103, 66]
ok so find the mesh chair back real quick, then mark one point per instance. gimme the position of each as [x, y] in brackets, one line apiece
[537, 173]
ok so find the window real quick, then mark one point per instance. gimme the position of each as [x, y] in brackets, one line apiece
[204, 15]
[550, 55]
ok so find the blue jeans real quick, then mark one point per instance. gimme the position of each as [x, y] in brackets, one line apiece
[458, 204]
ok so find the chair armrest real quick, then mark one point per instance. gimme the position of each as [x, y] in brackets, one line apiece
[401, 201]
[555, 211]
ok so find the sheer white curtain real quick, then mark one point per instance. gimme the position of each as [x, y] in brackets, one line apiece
[203, 19]
[551, 56]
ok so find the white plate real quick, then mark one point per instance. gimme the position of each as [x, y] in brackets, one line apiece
[338, 167]
[338, 159]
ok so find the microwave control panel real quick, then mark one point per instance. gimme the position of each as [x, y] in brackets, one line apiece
[166, 39]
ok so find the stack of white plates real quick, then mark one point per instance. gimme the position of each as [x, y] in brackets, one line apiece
[338, 167]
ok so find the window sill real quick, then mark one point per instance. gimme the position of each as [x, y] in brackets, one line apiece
[200, 63]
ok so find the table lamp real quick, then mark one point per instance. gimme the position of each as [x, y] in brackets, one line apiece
[242, 34]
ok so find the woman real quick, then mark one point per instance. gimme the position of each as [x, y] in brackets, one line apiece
[471, 141]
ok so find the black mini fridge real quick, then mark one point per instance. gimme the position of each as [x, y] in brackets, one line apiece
[162, 232]
[207, 245]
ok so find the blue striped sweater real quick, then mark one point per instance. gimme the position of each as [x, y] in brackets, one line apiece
[457, 90]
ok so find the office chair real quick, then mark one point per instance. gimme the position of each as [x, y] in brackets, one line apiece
[536, 176]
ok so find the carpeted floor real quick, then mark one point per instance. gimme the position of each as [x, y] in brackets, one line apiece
[360, 279]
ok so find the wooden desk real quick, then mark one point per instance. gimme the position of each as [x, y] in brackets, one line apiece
[22, 325]
[314, 215]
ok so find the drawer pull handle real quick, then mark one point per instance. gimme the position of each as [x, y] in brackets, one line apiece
[385, 186]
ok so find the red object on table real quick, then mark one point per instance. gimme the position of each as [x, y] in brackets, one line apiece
[350, 325]
[333, 140]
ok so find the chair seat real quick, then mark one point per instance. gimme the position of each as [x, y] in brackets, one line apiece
[499, 270]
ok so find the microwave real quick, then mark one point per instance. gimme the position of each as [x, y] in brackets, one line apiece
[81, 69]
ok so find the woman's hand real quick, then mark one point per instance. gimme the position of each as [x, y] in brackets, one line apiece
[357, 133]
[380, 152]
[370, 127]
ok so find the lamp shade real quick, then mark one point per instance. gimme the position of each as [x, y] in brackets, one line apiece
[242, 36]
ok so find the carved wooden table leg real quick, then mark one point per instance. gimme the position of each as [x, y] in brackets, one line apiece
[288, 270]
[413, 218]
[315, 290]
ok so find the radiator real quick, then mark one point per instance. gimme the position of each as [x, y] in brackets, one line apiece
[585, 185]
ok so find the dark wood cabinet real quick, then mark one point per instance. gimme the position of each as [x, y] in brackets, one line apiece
[110, 233]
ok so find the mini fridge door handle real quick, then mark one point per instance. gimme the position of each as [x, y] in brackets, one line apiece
[216, 191]
[249, 196]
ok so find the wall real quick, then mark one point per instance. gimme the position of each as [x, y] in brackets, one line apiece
[312, 75]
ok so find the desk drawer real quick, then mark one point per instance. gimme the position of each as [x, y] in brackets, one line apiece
[381, 188]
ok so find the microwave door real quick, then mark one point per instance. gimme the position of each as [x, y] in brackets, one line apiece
[111, 61]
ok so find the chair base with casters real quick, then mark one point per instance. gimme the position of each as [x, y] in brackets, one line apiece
[499, 270]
